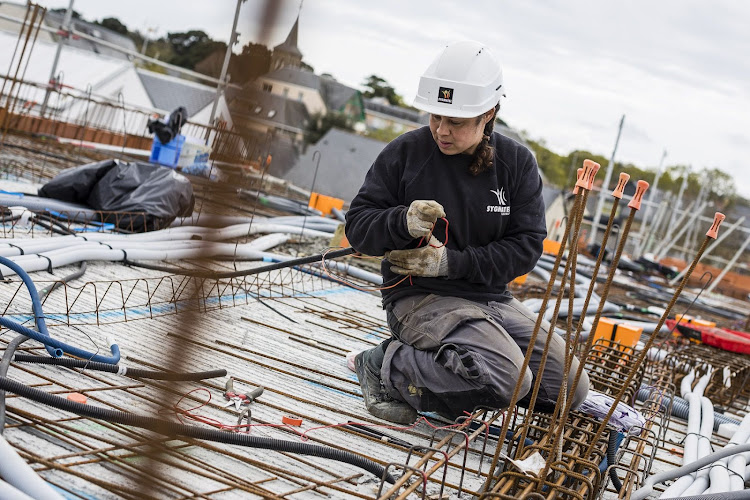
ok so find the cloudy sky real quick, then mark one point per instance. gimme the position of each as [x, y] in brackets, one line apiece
[678, 69]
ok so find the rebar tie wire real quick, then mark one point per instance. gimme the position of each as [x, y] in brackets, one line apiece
[581, 186]
[710, 234]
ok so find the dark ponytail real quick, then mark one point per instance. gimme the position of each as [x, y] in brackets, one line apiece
[484, 153]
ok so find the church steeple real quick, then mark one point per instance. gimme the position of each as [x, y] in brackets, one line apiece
[287, 53]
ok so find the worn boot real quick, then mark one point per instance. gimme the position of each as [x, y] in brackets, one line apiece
[377, 400]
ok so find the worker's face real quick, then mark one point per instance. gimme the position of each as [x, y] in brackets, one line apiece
[458, 135]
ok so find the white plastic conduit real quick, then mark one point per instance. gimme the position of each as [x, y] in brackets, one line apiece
[690, 450]
[20, 474]
[8, 492]
[721, 480]
[171, 250]
[700, 483]
[15, 246]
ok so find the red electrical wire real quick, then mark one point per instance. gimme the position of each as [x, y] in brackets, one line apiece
[388, 286]
[188, 413]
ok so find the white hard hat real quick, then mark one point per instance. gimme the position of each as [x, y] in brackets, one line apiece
[464, 81]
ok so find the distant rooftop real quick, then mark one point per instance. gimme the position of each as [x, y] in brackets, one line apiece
[345, 158]
[381, 105]
[264, 106]
[168, 92]
[334, 93]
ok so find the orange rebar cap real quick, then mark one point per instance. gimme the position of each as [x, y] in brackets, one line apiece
[590, 167]
[640, 189]
[624, 178]
[578, 178]
[594, 169]
[713, 231]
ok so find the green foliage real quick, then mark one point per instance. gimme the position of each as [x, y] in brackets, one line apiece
[253, 61]
[191, 47]
[376, 86]
[113, 24]
[384, 134]
[62, 10]
[319, 124]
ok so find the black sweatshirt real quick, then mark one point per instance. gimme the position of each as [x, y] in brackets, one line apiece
[495, 219]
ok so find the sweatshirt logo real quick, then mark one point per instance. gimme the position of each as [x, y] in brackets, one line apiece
[445, 95]
[502, 206]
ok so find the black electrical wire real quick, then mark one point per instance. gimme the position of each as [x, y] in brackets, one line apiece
[247, 272]
[127, 371]
[611, 450]
[175, 429]
[16, 342]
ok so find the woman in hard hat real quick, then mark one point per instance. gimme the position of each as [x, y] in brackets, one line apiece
[458, 335]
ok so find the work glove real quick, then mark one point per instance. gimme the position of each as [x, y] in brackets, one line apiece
[421, 216]
[430, 261]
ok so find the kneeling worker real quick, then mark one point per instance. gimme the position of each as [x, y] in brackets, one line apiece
[458, 335]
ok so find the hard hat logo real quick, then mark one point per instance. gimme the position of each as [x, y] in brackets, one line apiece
[446, 95]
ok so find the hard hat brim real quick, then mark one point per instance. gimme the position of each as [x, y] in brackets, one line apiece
[448, 110]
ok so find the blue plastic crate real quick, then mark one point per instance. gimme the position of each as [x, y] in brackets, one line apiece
[167, 154]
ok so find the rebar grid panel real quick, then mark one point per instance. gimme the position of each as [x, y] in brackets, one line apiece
[637, 453]
[573, 477]
[608, 365]
[300, 378]
[728, 386]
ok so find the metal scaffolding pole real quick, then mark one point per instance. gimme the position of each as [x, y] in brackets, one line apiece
[223, 78]
[605, 187]
[649, 204]
[716, 242]
[729, 265]
[64, 34]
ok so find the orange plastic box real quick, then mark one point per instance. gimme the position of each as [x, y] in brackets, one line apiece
[325, 203]
[618, 331]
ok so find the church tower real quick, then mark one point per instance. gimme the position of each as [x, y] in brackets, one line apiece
[287, 53]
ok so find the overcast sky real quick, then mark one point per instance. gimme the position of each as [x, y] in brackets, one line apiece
[678, 69]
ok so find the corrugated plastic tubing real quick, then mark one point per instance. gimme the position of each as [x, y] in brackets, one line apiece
[680, 409]
[121, 370]
[174, 429]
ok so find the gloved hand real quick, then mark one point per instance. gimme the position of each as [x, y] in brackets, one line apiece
[425, 261]
[421, 216]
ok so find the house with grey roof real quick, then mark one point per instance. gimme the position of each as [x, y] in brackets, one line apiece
[381, 115]
[321, 94]
[345, 158]
[262, 112]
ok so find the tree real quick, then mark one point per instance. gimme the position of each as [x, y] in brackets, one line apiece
[253, 61]
[375, 86]
[319, 124]
[113, 24]
[62, 10]
[191, 47]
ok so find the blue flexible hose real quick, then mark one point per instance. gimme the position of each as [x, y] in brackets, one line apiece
[54, 347]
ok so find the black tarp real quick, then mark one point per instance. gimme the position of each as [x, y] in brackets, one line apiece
[152, 195]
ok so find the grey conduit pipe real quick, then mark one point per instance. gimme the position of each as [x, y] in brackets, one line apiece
[648, 485]
[20, 475]
[680, 409]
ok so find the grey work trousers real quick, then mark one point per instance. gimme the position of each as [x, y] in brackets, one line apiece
[450, 355]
